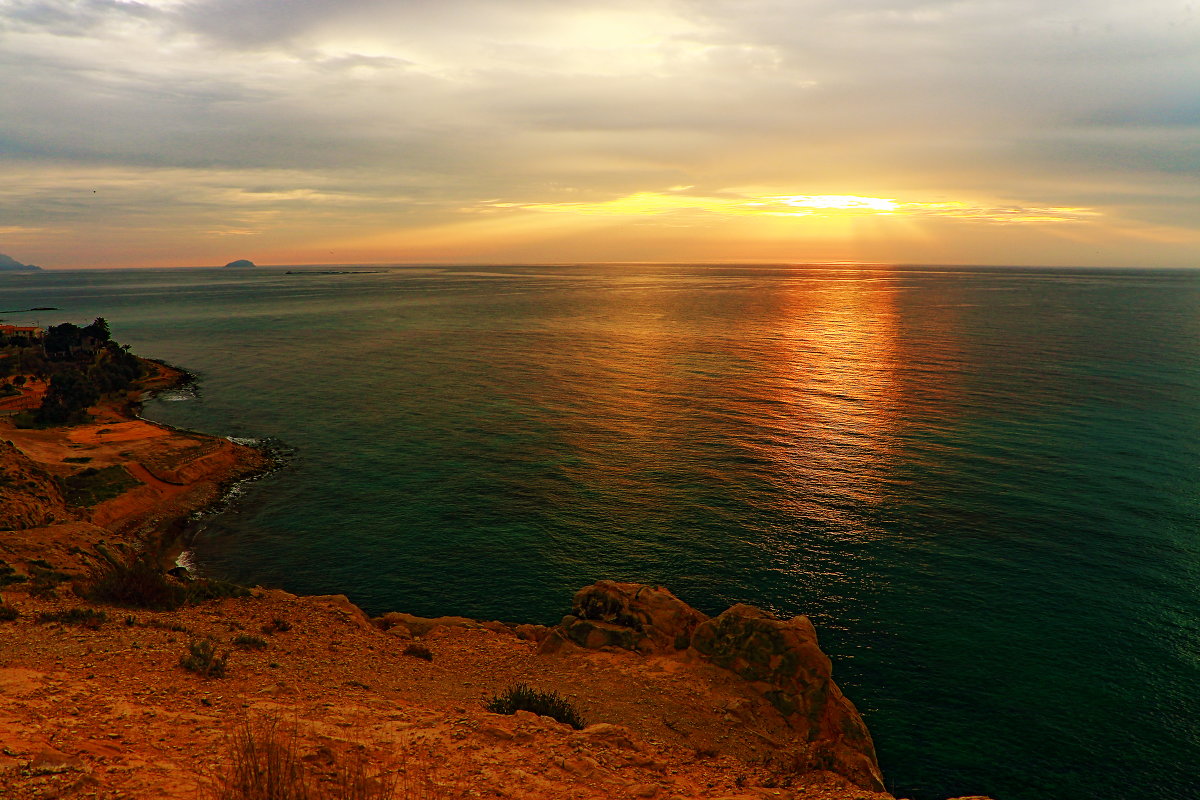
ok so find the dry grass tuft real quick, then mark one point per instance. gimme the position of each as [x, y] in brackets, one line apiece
[265, 763]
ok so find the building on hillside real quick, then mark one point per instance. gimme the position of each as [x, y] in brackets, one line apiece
[28, 331]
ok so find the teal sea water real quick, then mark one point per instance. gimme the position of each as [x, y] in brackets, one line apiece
[983, 485]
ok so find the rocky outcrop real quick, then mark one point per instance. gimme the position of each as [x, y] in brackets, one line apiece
[780, 659]
[29, 496]
[396, 622]
[631, 616]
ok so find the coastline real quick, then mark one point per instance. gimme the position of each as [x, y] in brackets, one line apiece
[679, 709]
[168, 473]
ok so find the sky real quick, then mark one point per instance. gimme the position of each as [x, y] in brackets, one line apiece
[195, 132]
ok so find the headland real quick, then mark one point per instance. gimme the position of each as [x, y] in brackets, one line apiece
[103, 698]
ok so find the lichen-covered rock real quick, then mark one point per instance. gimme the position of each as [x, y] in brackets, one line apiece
[781, 659]
[631, 616]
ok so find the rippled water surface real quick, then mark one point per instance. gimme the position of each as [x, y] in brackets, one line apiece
[983, 485]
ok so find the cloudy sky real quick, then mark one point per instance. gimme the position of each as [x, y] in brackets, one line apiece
[192, 132]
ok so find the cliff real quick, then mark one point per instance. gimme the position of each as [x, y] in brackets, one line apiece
[98, 700]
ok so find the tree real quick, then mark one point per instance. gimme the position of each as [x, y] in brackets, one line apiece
[98, 330]
[67, 399]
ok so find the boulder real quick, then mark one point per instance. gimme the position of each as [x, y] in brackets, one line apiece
[340, 603]
[781, 659]
[632, 616]
[419, 626]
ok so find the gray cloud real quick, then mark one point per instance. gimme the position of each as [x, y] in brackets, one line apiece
[449, 102]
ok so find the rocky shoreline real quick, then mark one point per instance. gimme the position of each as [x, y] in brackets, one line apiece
[94, 701]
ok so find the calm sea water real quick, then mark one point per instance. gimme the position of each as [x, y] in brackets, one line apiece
[983, 485]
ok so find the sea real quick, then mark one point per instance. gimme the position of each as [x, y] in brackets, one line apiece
[982, 484]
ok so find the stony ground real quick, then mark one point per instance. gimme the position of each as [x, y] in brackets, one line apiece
[107, 711]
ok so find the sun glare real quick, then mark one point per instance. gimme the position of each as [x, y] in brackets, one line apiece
[678, 202]
[842, 202]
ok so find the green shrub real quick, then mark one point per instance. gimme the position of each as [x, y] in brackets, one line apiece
[197, 591]
[8, 613]
[83, 617]
[202, 659]
[545, 704]
[277, 625]
[44, 579]
[8, 575]
[131, 579]
[93, 486]
[248, 642]
[135, 579]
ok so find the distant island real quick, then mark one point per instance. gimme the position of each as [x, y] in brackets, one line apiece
[241, 262]
[8, 264]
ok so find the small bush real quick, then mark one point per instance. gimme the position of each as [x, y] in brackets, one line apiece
[545, 704]
[8, 575]
[135, 579]
[202, 659]
[83, 617]
[8, 613]
[198, 591]
[131, 579]
[248, 642]
[419, 651]
[44, 580]
[277, 625]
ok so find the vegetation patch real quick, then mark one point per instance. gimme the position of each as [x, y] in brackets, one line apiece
[135, 579]
[9, 576]
[277, 625]
[198, 591]
[248, 642]
[8, 613]
[93, 486]
[44, 580]
[545, 704]
[83, 617]
[419, 651]
[202, 659]
[265, 763]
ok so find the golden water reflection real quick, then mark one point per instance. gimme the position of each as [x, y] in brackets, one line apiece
[789, 391]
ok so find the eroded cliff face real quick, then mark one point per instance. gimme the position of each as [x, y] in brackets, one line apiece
[779, 659]
[29, 496]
